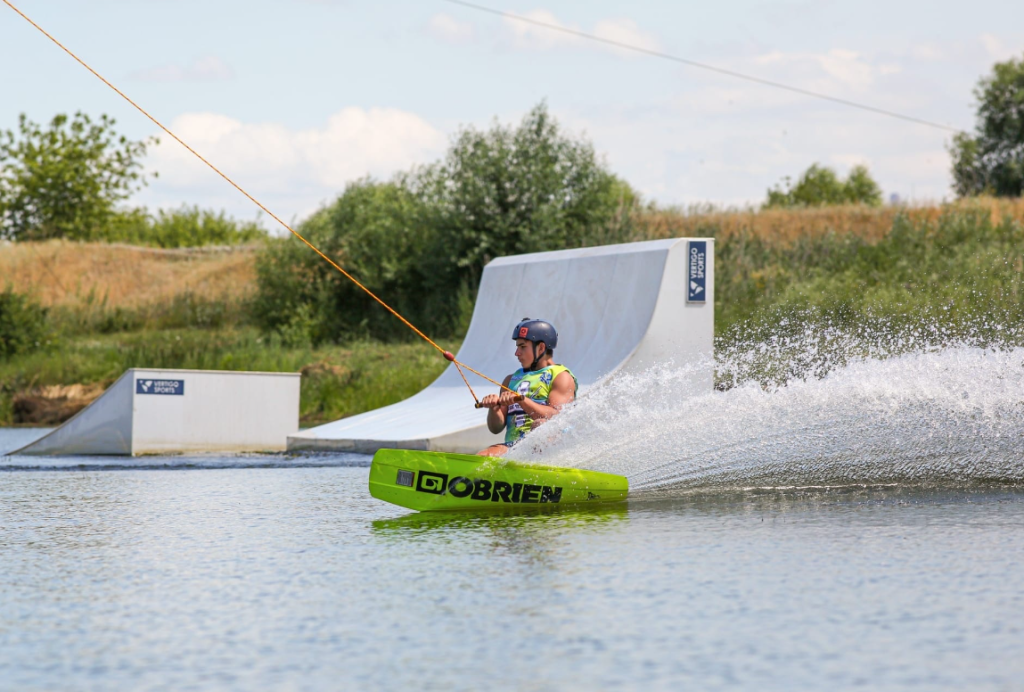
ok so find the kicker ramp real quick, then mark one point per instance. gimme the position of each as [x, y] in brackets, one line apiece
[166, 411]
[616, 307]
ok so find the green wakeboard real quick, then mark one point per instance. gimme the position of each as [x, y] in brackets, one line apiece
[430, 481]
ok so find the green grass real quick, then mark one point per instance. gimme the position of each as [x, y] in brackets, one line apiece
[955, 269]
[337, 381]
[188, 310]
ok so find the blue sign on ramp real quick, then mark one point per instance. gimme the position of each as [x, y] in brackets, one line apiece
[696, 273]
[159, 386]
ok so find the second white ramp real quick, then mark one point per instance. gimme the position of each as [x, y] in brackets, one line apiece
[158, 411]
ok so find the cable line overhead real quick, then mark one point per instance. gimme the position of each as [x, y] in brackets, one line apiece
[702, 66]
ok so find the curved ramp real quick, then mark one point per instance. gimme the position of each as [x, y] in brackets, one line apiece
[616, 307]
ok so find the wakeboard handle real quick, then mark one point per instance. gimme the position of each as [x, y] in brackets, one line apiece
[516, 399]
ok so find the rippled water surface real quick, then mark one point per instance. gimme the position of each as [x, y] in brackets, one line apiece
[245, 573]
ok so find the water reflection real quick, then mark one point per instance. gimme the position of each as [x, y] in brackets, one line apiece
[740, 502]
[547, 518]
[536, 549]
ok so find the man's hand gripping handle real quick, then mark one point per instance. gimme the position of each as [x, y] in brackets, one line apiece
[499, 400]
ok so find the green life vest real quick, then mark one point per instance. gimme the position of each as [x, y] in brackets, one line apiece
[536, 385]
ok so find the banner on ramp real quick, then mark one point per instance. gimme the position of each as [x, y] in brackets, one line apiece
[697, 271]
[160, 387]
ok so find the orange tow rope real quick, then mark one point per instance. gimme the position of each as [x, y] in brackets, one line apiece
[447, 354]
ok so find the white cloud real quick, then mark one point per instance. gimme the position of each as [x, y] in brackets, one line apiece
[848, 68]
[927, 51]
[996, 49]
[528, 36]
[975, 51]
[450, 30]
[291, 171]
[205, 69]
[837, 67]
[626, 31]
[846, 161]
[531, 36]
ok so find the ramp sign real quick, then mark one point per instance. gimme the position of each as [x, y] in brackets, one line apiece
[159, 386]
[697, 259]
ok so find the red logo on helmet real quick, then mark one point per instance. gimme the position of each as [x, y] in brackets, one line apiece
[523, 331]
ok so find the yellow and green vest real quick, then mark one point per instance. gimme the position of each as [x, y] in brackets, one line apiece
[536, 385]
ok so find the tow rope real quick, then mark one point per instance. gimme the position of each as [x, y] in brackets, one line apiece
[447, 354]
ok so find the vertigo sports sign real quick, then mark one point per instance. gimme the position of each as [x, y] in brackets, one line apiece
[172, 387]
[696, 271]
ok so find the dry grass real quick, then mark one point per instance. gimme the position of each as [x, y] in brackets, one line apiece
[62, 273]
[789, 225]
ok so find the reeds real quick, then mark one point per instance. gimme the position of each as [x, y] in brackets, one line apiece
[789, 226]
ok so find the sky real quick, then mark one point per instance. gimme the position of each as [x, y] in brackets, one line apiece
[296, 98]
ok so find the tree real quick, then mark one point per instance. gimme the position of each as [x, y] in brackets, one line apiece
[64, 180]
[992, 161]
[510, 190]
[820, 186]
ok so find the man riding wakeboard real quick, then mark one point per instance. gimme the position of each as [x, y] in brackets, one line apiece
[544, 387]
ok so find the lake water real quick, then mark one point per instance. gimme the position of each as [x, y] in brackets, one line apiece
[281, 573]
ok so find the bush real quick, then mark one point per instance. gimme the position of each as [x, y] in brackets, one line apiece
[23, 325]
[183, 227]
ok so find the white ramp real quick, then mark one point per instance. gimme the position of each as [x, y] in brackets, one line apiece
[165, 411]
[616, 307]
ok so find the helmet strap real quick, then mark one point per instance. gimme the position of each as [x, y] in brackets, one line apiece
[536, 358]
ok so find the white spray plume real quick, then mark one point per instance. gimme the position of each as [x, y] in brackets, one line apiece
[823, 406]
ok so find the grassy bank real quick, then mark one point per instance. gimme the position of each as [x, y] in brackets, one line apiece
[114, 306]
[338, 381]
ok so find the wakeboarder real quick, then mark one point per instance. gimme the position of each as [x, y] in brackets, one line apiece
[542, 387]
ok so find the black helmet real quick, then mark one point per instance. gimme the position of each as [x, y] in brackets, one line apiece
[536, 330]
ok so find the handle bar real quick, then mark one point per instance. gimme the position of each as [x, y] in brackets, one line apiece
[517, 399]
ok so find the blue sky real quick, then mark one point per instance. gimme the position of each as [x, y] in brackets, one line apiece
[295, 98]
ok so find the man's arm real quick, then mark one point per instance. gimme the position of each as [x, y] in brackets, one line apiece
[498, 407]
[563, 391]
